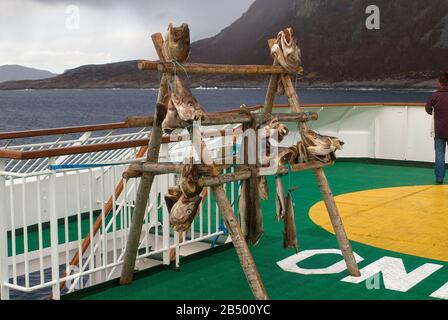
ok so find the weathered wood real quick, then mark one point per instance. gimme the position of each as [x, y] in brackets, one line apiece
[165, 168]
[224, 178]
[336, 221]
[232, 118]
[325, 190]
[272, 86]
[170, 167]
[147, 179]
[244, 255]
[239, 242]
[210, 68]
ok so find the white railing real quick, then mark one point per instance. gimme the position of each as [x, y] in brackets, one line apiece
[48, 205]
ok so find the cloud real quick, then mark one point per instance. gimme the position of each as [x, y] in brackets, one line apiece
[109, 30]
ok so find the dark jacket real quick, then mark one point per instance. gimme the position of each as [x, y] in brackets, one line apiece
[439, 103]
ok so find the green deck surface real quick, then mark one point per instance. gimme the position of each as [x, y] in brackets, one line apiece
[219, 275]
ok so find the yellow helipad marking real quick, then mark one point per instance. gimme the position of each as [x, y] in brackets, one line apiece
[409, 220]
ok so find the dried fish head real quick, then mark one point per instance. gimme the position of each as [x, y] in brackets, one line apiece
[184, 212]
[321, 145]
[287, 52]
[188, 108]
[172, 120]
[177, 43]
[290, 48]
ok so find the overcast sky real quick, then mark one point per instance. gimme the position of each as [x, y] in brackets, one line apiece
[47, 34]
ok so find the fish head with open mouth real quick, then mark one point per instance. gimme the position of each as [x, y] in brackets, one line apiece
[287, 52]
[184, 212]
[177, 43]
[188, 108]
[290, 48]
[321, 145]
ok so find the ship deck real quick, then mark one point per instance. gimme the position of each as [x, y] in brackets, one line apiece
[389, 209]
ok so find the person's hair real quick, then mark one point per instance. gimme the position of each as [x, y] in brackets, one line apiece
[443, 79]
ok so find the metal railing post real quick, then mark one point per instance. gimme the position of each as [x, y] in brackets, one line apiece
[54, 233]
[4, 268]
[166, 227]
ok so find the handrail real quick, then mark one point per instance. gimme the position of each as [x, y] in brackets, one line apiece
[63, 130]
[80, 149]
[357, 104]
[123, 125]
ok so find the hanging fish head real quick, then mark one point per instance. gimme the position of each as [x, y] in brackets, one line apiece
[280, 128]
[289, 46]
[188, 108]
[288, 155]
[172, 120]
[322, 145]
[177, 43]
[184, 212]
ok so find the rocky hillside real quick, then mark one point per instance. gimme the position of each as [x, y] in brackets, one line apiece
[411, 44]
[410, 49]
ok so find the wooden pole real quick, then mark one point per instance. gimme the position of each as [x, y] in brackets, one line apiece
[211, 68]
[246, 260]
[147, 179]
[327, 195]
[244, 255]
[232, 118]
[272, 86]
[241, 174]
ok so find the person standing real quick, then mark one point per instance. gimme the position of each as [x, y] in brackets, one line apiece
[438, 106]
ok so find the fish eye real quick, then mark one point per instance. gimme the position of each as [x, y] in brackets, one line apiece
[189, 211]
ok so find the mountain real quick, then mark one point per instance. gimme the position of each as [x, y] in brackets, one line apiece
[16, 72]
[412, 42]
[410, 49]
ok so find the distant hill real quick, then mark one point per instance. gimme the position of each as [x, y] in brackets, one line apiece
[111, 75]
[115, 75]
[16, 72]
[409, 50]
